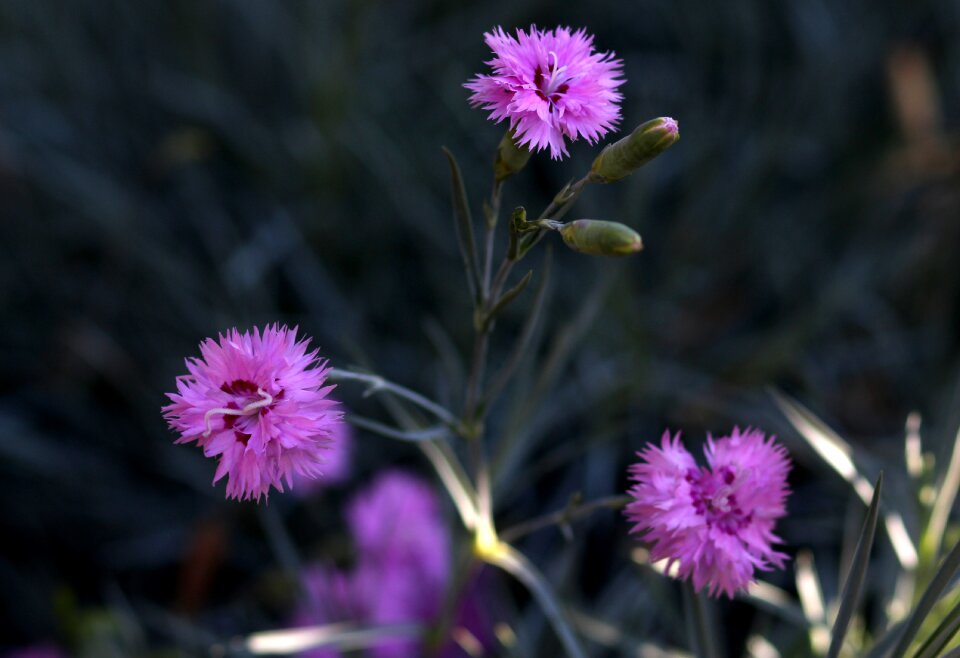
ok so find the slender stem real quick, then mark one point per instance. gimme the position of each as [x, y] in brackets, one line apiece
[695, 608]
[376, 384]
[413, 436]
[454, 480]
[564, 516]
[478, 366]
[555, 210]
[516, 564]
[492, 217]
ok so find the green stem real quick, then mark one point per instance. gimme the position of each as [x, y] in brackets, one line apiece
[377, 384]
[516, 564]
[454, 480]
[557, 208]
[412, 436]
[564, 516]
[695, 608]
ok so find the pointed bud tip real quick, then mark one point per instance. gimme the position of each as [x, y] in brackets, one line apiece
[647, 141]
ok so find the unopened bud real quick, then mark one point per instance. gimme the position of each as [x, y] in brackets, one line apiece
[510, 157]
[600, 238]
[620, 159]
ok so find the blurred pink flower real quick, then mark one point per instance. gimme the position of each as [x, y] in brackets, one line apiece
[336, 464]
[550, 84]
[401, 572]
[716, 523]
[258, 403]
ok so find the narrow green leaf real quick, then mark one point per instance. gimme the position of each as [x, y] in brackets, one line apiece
[858, 571]
[931, 595]
[941, 635]
[881, 647]
[463, 223]
[506, 298]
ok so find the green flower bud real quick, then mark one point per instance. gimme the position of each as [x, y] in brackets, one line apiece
[599, 238]
[510, 157]
[620, 159]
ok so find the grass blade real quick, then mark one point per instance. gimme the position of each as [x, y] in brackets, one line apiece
[838, 455]
[930, 542]
[858, 571]
[931, 595]
[941, 636]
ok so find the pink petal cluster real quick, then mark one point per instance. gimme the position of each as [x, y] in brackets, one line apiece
[549, 84]
[715, 523]
[402, 568]
[257, 402]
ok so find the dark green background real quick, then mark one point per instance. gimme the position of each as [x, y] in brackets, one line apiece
[172, 169]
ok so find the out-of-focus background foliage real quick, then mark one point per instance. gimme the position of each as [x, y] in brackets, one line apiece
[172, 169]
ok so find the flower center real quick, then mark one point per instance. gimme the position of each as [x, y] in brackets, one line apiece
[714, 498]
[551, 89]
[253, 400]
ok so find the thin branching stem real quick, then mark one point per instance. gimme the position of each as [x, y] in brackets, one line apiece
[377, 384]
[411, 436]
[568, 514]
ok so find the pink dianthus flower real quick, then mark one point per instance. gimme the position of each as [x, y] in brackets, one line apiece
[550, 84]
[258, 403]
[715, 523]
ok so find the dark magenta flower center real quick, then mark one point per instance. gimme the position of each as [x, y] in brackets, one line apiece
[249, 399]
[714, 498]
[549, 89]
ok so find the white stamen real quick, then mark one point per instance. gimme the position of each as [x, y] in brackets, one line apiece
[265, 400]
[555, 70]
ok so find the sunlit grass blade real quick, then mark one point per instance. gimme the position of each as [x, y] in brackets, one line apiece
[343, 636]
[858, 571]
[930, 596]
[838, 454]
[775, 600]
[930, 542]
[941, 636]
[464, 225]
[812, 601]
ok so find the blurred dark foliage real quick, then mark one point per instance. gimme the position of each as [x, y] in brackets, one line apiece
[172, 169]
